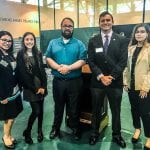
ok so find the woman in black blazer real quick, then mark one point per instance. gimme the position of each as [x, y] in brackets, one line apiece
[32, 78]
[10, 98]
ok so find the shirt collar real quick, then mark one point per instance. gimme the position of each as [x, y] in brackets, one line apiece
[109, 34]
[69, 40]
[66, 40]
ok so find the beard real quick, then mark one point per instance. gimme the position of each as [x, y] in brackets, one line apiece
[67, 35]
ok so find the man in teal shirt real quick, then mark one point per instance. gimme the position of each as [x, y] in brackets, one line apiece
[66, 56]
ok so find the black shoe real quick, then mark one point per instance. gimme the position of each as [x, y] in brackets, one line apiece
[54, 133]
[14, 141]
[93, 139]
[119, 141]
[40, 136]
[27, 136]
[146, 148]
[134, 140]
[76, 134]
[12, 146]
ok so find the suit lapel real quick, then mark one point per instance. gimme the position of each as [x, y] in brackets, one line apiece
[100, 41]
[112, 41]
[141, 54]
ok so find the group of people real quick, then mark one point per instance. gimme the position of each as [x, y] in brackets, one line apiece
[115, 63]
[24, 73]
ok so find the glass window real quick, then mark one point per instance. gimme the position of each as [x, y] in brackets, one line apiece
[100, 6]
[147, 11]
[53, 11]
[69, 5]
[86, 13]
[34, 2]
[123, 8]
[138, 5]
[110, 8]
[15, 0]
[147, 5]
[127, 12]
[82, 5]
[47, 15]
[50, 4]
[68, 8]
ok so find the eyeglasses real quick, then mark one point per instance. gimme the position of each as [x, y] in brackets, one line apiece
[5, 40]
[68, 26]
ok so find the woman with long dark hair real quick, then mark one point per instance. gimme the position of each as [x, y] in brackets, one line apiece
[137, 81]
[32, 78]
[10, 99]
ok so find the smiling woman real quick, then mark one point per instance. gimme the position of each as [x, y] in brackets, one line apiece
[10, 99]
[32, 78]
[5, 42]
[137, 81]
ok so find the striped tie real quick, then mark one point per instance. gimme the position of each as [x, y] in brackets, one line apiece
[106, 43]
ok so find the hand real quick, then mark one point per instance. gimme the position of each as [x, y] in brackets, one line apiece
[126, 88]
[40, 91]
[106, 80]
[5, 101]
[143, 94]
[64, 69]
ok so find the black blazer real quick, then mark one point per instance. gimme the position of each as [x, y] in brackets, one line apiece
[7, 77]
[113, 63]
[26, 79]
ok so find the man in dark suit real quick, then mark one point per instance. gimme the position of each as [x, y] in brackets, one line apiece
[107, 57]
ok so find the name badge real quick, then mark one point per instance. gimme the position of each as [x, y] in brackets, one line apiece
[3, 63]
[98, 50]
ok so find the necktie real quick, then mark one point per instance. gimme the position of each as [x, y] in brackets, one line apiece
[106, 43]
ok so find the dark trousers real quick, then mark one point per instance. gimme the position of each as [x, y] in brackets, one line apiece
[66, 92]
[140, 109]
[37, 112]
[114, 96]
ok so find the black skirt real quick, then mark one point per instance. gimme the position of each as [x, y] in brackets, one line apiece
[11, 110]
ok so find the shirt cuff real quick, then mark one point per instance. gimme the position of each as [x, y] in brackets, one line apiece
[99, 76]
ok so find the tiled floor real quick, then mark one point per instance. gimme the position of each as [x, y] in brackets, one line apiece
[67, 142]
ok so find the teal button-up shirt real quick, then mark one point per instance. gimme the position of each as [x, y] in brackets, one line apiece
[67, 54]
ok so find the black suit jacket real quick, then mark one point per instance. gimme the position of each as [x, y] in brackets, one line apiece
[113, 63]
[7, 77]
[26, 79]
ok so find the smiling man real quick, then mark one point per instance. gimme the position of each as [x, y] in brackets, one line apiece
[107, 54]
[66, 55]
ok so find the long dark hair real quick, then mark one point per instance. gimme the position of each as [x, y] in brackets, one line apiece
[24, 48]
[2, 33]
[133, 41]
[35, 51]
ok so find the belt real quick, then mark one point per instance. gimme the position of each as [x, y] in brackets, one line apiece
[66, 79]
